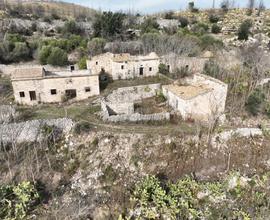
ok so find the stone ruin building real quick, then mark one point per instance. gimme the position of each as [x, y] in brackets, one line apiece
[124, 66]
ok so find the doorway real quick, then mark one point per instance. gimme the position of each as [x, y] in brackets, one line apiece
[141, 71]
[33, 95]
[71, 93]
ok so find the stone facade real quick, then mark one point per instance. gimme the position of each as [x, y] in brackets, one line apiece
[33, 86]
[201, 98]
[193, 64]
[124, 66]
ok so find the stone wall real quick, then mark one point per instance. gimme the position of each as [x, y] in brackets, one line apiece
[31, 131]
[133, 94]
[136, 117]
[119, 105]
[7, 113]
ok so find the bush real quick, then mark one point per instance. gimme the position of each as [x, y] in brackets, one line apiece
[149, 25]
[96, 46]
[163, 69]
[57, 57]
[255, 101]
[215, 29]
[82, 63]
[191, 199]
[169, 15]
[244, 30]
[210, 43]
[17, 200]
[211, 68]
[213, 18]
[183, 22]
[200, 28]
[43, 54]
[20, 52]
[82, 127]
[71, 27]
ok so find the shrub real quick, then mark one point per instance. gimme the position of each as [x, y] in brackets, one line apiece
[182, 72]
[43, 54]
[213, 18]
[20, 52]
[149, 25]
[57, 57]
[200, 28]
[82, 63]
[215, 29]
[71, 27]
[209, 43]
[255, 101]
[96, 46]
[169, 15]
[244, 30]
[190, 199]
[17, 200]
[82, 127]
[212, 69]
[183, 22]
[163, 69]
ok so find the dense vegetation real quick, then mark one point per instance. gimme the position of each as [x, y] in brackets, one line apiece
[17, 200]
[235, 197]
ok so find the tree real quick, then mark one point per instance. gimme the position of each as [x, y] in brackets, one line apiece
[57, 57]
[261, 7]
[108, 24]
[20, 52]
[71, 27]
[225, 5]
[149, 25]
[96, 46]
[43, 54]
[244, 30]
[251, 4]
[183, 22]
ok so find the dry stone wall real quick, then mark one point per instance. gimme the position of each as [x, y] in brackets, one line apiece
[31, 131]
[119, 105]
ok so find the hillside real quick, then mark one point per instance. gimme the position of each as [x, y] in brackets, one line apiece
[47, 7]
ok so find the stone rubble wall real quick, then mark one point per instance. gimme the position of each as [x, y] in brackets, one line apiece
[7, 113]
[133, 94]
[119, 105]
[31, 131]
[136, 117]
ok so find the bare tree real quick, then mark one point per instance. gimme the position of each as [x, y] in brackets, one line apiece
[250, 6]
[261, 7]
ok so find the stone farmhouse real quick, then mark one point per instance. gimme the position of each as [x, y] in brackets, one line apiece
[201, 97]
[36, 85]
[192, 64]
[124, 66]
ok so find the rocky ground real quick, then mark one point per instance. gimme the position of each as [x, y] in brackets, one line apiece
[110, 163]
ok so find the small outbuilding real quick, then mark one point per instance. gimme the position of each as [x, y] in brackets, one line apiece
[200, 97]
